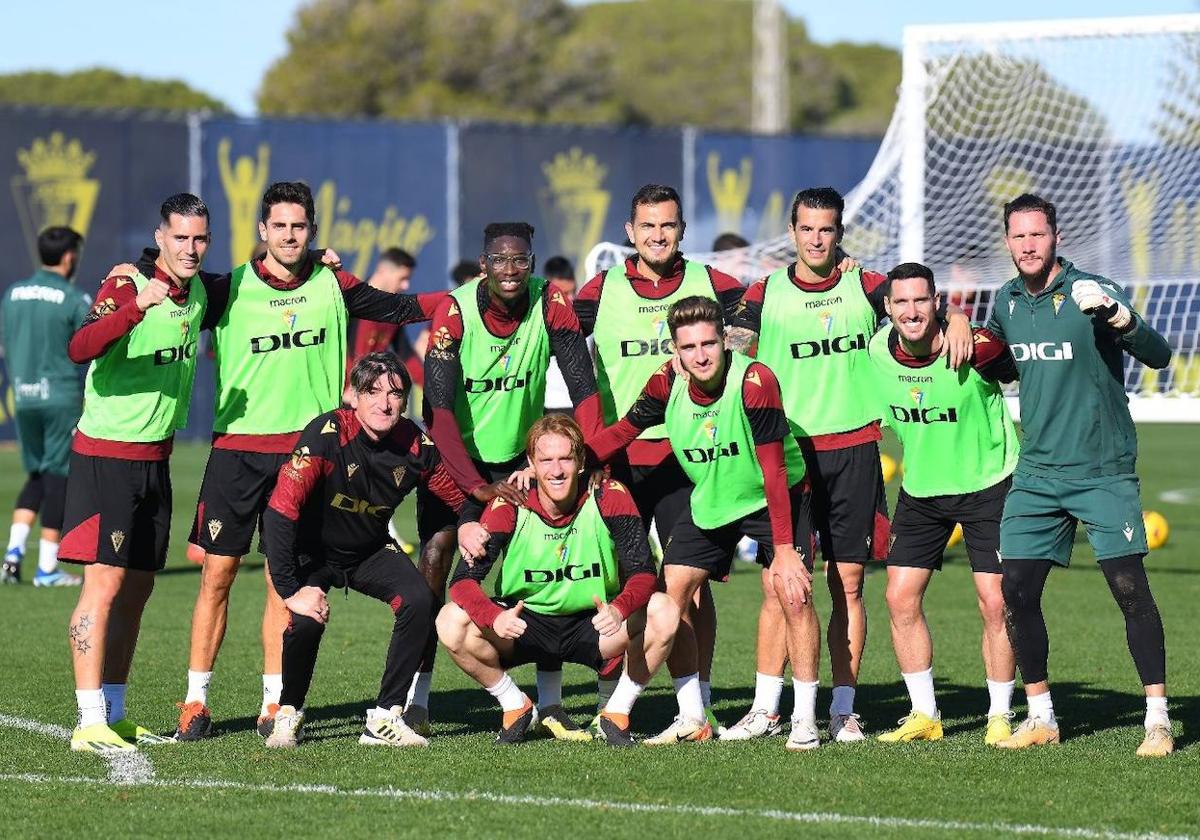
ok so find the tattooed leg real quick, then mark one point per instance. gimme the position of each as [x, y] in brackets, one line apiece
[88, 627]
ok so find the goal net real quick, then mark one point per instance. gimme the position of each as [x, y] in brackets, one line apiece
[1100, 116]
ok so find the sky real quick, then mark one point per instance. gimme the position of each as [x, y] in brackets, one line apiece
[236, 41]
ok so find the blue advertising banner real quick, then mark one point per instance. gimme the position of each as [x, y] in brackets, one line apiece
[101, 174]
[572, 184]
[745, 185]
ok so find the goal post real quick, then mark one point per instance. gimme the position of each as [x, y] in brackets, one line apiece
[1100, 116]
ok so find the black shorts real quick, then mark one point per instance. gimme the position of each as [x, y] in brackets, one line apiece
[712, 549]
[661, 493]
[118, 513]
[923, 525]
[554, 639]
[849, 508]
[236, 488]
[434, 515]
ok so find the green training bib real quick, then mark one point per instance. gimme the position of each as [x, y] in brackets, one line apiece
[557, 571]
[633, 340]
[281, 355]
[503, 379]
[954, 426]
[715, 447]
[816, 343]
[140, 389]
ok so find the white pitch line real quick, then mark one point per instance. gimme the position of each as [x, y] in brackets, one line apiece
[799, 817]
[1182, 496]
[124, 768]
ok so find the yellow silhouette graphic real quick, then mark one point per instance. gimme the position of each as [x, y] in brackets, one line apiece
[575, 199]
[55, 189]
[730, 189]
[244, 181]
[355, 240]
[1141, 198]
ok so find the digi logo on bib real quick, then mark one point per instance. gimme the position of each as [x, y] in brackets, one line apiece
[290, 339]
[1042, 351]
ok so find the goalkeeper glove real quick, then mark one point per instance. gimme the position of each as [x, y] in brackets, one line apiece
[1091, 299]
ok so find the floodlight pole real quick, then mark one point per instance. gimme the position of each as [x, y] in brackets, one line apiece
[769, 112]
[912, 148]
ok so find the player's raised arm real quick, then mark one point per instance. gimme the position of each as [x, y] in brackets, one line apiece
[746, 323]
[569, 347]
[114, 314]
[1109, 305]
[648, 410]
[371, 304]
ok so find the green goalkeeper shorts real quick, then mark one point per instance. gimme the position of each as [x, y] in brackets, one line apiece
[45, 435]
[1040, 515]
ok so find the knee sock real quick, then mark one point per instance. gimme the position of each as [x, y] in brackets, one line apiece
[17, 535]
[197, 691]
[507, 694]
[920, 692]
[114, 700]
[549, 688]
[1127, 581]
[47, 556]
[1022, 584]
[767, 689]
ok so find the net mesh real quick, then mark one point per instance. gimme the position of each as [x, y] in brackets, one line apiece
[1106, 124]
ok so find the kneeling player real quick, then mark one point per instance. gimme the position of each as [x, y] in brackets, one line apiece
[726, 425]
[326, 527]
[576, 584]
[960, 449]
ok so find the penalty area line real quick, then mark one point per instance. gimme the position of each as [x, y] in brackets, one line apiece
[796, 817]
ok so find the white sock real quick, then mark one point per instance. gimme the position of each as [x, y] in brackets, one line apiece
[198, 687]
[623, 696]
[804, 705]
[691, 702]
[920, 691]
[1000, 697]
[47, 556]
[17, 535]
[706, 693]
[114, 699]
[272, 688]
[1156, 712]
[843, 700]
[418, 692]
[549, 689]
[767, 688]
[1041, 707]
[604, 691]
[507, 694]
[92, 708]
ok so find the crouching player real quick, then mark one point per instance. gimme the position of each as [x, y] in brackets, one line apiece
[960, 449]
[576, 584]
[326, 527]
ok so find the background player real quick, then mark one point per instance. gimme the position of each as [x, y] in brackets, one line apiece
[576, 584]
[279, 330]
[726, 426]
[37, 317]
[326, 526]
[810, 323]
[960, 447]
[141, 338]
[1069, 331]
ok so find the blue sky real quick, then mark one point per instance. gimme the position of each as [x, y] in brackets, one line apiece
[235, 40]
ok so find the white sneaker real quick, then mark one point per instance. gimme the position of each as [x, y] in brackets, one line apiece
[846, 729]
[389, 729]
[756, 724]
[288, 730]
[804, 735]
[682, 729]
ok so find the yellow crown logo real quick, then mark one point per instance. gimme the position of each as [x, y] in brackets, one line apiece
[573, 170]
[55, 159]
[55, 189]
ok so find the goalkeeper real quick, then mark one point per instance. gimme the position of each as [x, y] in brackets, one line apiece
[1068, 332]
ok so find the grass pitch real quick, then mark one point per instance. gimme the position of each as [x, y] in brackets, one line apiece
[1092, 786]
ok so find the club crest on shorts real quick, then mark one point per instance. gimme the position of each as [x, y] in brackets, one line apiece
[118, 540]
[398, 474]
[351, 469]
[1058, 299]
[214, 528]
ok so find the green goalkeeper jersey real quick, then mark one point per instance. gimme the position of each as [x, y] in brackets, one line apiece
[38, 316]
[1074, 412]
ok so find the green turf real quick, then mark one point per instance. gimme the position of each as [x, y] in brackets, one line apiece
[465, 784]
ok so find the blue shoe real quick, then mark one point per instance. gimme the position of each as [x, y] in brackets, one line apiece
[56, 578]
[10, 572]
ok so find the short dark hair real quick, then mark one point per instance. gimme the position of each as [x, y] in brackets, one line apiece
[374, 365]
[398, 257]
[521, 230]
[696, 309]
[1027, 202]
[819, 198]
[289, 192]
[730, 242]
[54, 243]
[558, 266]
[463, 271]
[910, 271]
[655, 194]
[182, 204]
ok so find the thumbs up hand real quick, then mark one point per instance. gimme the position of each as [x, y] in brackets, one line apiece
[509, 624]
[607, 620]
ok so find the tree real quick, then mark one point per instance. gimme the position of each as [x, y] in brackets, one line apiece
[104, 88]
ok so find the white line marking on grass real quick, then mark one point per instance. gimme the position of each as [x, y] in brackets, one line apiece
[1182, 496]
[124, 768]
[801, 817]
